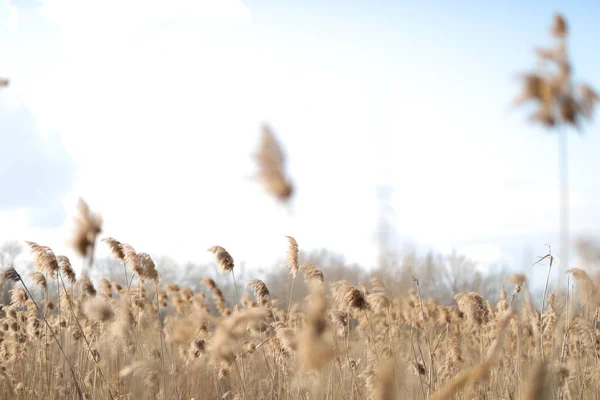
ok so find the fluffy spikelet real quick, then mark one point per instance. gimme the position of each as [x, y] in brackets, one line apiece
[132, 260]
[314, 351]
[209, 283]
[379, 302]
[87, 286]
[286, 338]
[44, 259]
[223, 258]
[579, 274]
[559, 26]
[378, 285]
[271, 166]
[551, 87]
[18, 297]
[230, 330]
[115, 248]
[97, 309]
[10, 275]
[197, 348]
[346, 295]
[502, 304]
[87, 227]
[148, 267]
[261, 292]
[453, 358]
[586, 287]
[340, 321]
[124, 321]
[39, 279]
[312, 273]
[472, 305]
[518, 280]
[106, 287]
[292, 256]
[66, 268]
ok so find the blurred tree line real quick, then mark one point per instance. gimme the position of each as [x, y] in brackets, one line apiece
[440, 276]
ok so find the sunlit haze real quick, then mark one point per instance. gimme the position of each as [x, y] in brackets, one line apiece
[151, 113]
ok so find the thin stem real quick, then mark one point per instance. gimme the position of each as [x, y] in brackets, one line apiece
[287, 316]
[542, 310]
[71, 307]
[162, 343]
[430, 388]
[414, 353]
[235, 289]
[56, 340]
[355, 384]
[563, 167]
[126, 278]
[240, 376]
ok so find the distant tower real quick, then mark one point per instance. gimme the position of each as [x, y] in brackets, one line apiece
[387, 239]
[386, 236]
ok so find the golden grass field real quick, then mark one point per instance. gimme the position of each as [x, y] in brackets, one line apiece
[68, 336]
[64, 337]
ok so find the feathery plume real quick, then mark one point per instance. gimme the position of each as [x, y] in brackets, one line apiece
[271, 166]
[148, 267]
[97, 309]
[209, 283]
[586, 287]
[223, 258]
[472, 305]
[378, 285]
[346, 295]
[87, 227]
[312, 273]
[66, 268]
[44, 259]
[39, 279]
[292, 255]
[115, 248]
[18, 296]
[261, 292]
[379, 302]
[132, 260]
[10, 275]
[87, 286]
[559, 26]
[314, 351]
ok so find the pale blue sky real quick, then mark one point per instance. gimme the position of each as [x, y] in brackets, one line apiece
[149, 110]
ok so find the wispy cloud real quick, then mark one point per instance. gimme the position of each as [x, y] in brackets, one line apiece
[35, 171]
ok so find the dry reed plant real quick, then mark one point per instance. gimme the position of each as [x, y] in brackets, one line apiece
[270, 160]
[560, 104]
[343, 341]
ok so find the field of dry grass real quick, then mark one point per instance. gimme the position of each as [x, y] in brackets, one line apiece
[64, 336]
[68, 337]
